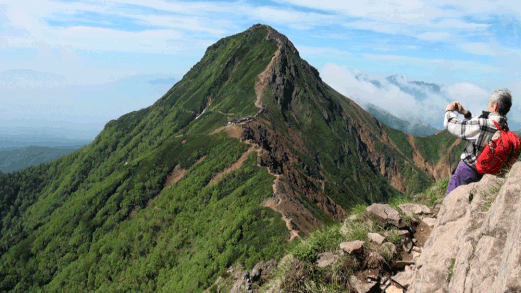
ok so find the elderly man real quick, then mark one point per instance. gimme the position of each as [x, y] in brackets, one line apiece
[477, 131]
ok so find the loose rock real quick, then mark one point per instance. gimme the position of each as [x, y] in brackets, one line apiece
[411, 209]
[404, 278]
[375, 237]
[385, 214]
[326, 259]
[389, 248]
[359, 286]
[352, 247]
[263, 270]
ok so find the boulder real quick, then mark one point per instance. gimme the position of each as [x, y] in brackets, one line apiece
[403, 233]
[411, 209]
[361, 287]
[404, 278]
[475, 245]
[352, 247]
[385, 215]
[326, 259]
[375, 237]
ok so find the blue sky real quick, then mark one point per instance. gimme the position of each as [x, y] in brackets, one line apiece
[468, 47]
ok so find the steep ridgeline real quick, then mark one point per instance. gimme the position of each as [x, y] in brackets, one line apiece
[248, 150]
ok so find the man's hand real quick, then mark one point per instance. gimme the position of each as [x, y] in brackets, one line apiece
[451, 107]
[460, 109]
[456, 106]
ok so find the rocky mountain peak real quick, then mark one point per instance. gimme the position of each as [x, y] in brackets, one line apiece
[248, 151]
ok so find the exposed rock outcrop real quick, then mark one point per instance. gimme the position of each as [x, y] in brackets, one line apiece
[475, 245]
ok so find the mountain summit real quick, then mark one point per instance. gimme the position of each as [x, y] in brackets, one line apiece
[249, 150]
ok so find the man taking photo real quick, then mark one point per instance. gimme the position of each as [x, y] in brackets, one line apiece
[479, 132]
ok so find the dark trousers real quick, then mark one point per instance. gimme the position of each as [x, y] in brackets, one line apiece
[463, 175]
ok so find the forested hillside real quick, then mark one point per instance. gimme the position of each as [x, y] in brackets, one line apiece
[249, 150]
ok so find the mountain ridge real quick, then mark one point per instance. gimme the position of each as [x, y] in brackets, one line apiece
[140, 208]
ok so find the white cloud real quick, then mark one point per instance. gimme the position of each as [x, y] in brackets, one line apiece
[434, 36]
[477, 48]
[322, 51]
[443, 65]
[471, 96]
[102, 39]
[377, 26]
[400, 103]
[394, 11]
[389, 96]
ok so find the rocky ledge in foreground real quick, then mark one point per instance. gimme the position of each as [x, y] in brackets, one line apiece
[475, 245]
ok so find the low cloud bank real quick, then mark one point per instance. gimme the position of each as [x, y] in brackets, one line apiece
[408, 99]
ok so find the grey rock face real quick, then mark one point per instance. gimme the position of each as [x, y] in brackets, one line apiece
[385, 214]
[475, 245]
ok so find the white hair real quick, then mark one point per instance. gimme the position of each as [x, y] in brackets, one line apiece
[503, 98]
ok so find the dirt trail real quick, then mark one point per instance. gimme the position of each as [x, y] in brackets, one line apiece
[235, 166]
[175, 176]
[264, 77]
[276, 202]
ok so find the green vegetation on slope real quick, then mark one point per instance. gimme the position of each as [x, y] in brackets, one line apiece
[102, 219]
[435, 146]
[87, 222]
